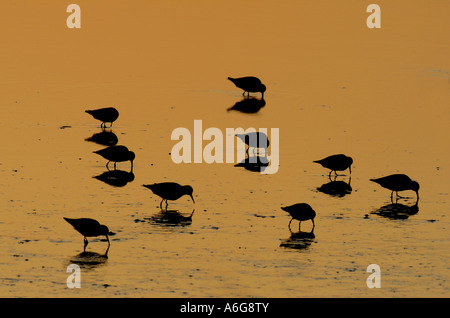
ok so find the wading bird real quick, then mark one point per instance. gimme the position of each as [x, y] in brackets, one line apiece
[300, 212]
[88, 228]
[116, 154]
[398, 182]
[105, 115]
[336, 163]
[249, 84]
[170, 191]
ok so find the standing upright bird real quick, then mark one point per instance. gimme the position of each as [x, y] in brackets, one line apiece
[105, 115]
[336, 163]
[116, 154]
[249, 84]
[300, 212]
[170, 191]
[89, 227]
[398, 182]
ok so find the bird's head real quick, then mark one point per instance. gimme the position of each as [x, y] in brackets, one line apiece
[415, 187]
[262, 89]
[104, 230]
[189, 191]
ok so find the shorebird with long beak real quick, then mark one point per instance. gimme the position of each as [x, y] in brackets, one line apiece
[249, 84]
[105, 115]
[116, 154]
[336, 163]
[398, 182]
[300, 212]
[170, 191]
[89, 228]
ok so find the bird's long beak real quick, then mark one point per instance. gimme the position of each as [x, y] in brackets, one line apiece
[192, 198]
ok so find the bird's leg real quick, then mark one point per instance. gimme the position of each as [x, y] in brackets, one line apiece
[115, 165]
[85, 244]
[167, 204]
[313, 224]
[392, 200]
[299, 224]
[160, 204]
[107, 165]
[289, 225]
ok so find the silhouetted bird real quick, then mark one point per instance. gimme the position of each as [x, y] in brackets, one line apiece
[398, 182]
[170, 191]
[255, 140]
[336, 163]
[248, 105]
[105, 115]
[300, 212]
[88, 228]
[116, 154]
[249, 84]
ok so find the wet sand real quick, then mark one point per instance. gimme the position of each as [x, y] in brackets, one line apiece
[333, 86]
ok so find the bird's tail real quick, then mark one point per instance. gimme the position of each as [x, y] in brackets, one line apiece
[231, 79]
[88, 111]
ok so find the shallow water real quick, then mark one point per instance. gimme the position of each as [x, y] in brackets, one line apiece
[334, 86]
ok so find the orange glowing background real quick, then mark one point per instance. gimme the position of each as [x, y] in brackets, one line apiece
[333, 86]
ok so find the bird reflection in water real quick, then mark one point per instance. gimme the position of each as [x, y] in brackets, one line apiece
[335, 188]
[116, 178]
[254, 163]
[90, 259]
[105, 138]
[299, 240]
[250, 105]
[397, 211]
[172, 218]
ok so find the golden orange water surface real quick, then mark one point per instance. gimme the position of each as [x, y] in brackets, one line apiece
[334, 86]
